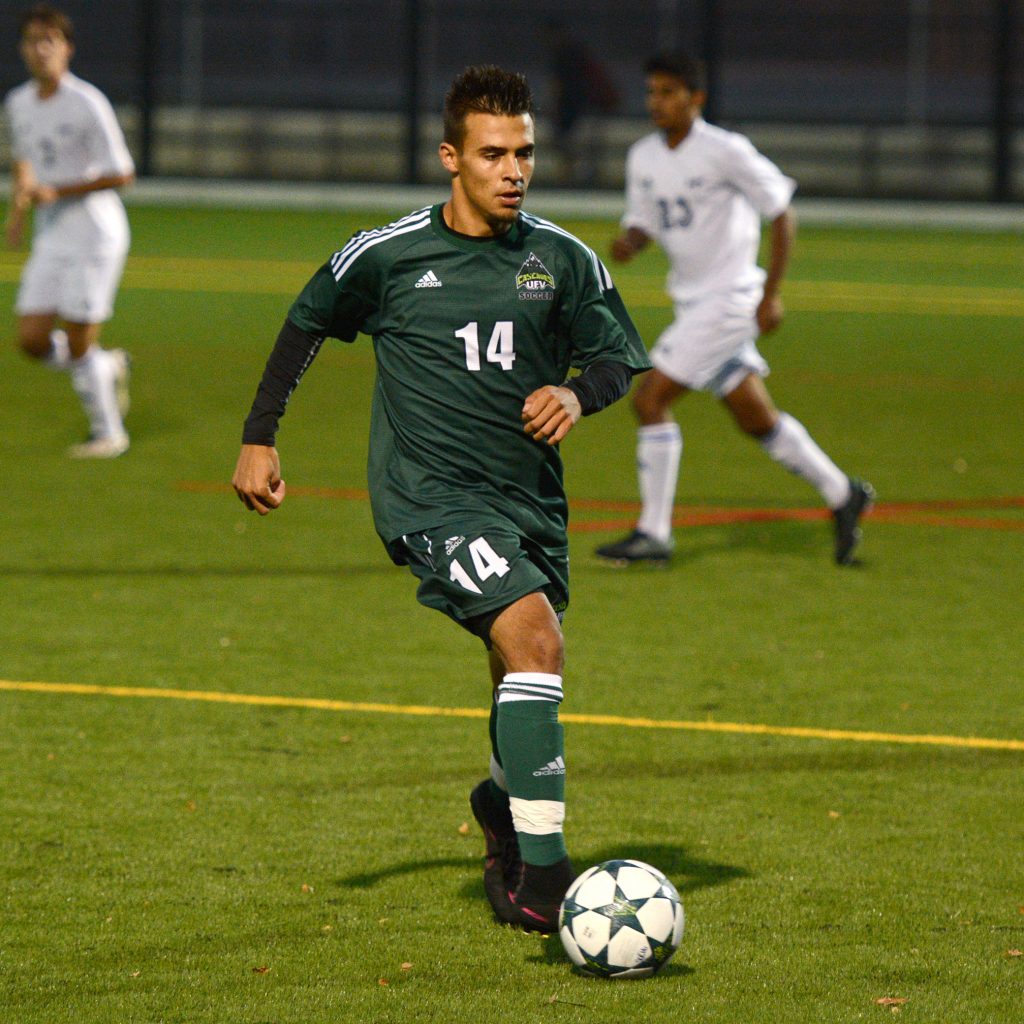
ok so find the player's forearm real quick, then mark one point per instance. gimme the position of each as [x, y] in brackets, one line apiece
[291, 356]
[82, 188]
[600, 385]
[22, 182]
[783, 232]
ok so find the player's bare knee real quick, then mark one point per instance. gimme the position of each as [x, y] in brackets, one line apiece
[648, 408]
[33, 343]
[551, 650]
[536, 649]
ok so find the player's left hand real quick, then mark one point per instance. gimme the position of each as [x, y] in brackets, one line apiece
[550, 413]
[770, 314]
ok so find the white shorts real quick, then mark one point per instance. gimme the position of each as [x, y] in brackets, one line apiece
[711, 344]
[79, 289]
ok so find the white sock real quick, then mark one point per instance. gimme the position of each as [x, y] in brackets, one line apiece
[60, 355]
[659, 448]
[791, 445]
[92, 377]
[498, 775]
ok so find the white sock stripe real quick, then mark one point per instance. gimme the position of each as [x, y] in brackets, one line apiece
[511, 698]
[537, 817]
[547, 678]
[508, 694]
[667, 432]
[530, 686]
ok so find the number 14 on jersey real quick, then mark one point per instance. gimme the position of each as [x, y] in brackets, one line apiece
[500, 348]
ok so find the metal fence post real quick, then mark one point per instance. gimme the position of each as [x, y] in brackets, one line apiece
[412, 97]
[1002, 105]
[149, 56]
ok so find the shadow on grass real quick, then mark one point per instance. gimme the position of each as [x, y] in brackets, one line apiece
[553, 953]
[368, 879]
[688, 872]
[812, 540]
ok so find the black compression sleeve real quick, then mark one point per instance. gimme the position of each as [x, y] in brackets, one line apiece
[292, 354]
[600, 385]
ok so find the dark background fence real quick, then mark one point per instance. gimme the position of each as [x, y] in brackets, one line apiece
[909, 98]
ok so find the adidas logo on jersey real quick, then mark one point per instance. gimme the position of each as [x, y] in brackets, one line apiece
[429, 280]
[556, 767]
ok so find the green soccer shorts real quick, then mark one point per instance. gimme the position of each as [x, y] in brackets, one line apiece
[472, 571]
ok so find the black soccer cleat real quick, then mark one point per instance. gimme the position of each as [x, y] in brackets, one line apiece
[503, 867]
[637, 547]
[847, 519]
[538, 900]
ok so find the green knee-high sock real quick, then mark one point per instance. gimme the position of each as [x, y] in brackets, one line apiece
[531, 746]
[499, 794]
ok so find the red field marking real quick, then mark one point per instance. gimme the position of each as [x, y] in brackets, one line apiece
[907, 513]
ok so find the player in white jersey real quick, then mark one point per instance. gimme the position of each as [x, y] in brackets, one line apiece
[70, 157]
[701, 192]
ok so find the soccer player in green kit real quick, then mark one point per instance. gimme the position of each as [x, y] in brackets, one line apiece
[478, 312]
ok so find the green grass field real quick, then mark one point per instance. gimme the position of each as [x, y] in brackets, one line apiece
[218, 861]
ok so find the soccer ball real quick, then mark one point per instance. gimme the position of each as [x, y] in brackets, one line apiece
[621, 919]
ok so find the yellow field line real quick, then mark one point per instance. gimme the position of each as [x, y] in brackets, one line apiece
[286, 277]
[324, 704]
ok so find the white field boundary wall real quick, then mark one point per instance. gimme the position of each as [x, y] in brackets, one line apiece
[556, 204]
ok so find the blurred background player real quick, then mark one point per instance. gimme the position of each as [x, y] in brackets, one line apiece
[69, 157]
[701, 192]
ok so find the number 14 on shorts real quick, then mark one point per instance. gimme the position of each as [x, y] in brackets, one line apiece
[486, 563]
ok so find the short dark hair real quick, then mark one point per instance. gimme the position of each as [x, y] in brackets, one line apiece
[49, 16]
[484, 89]
[691, 71]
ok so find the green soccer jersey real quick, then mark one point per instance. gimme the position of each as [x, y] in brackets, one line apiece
[463, 330]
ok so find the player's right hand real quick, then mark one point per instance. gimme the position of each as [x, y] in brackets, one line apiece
[257, 480]
[628, 244]
[622, 249]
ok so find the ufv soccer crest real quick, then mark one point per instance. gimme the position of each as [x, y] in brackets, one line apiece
[534, 280]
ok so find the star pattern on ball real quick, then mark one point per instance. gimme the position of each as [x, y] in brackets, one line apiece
[622, 913]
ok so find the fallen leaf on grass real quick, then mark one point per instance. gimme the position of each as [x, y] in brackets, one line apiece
[464, 829]
[307, 888]
[834, 814]
[260, 970]
[135, 974]
[407, 966]
[1014, 952]
[382, 981]
[891, 1001]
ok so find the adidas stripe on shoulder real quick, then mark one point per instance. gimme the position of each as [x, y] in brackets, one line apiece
[604, 279]
[364, 240]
